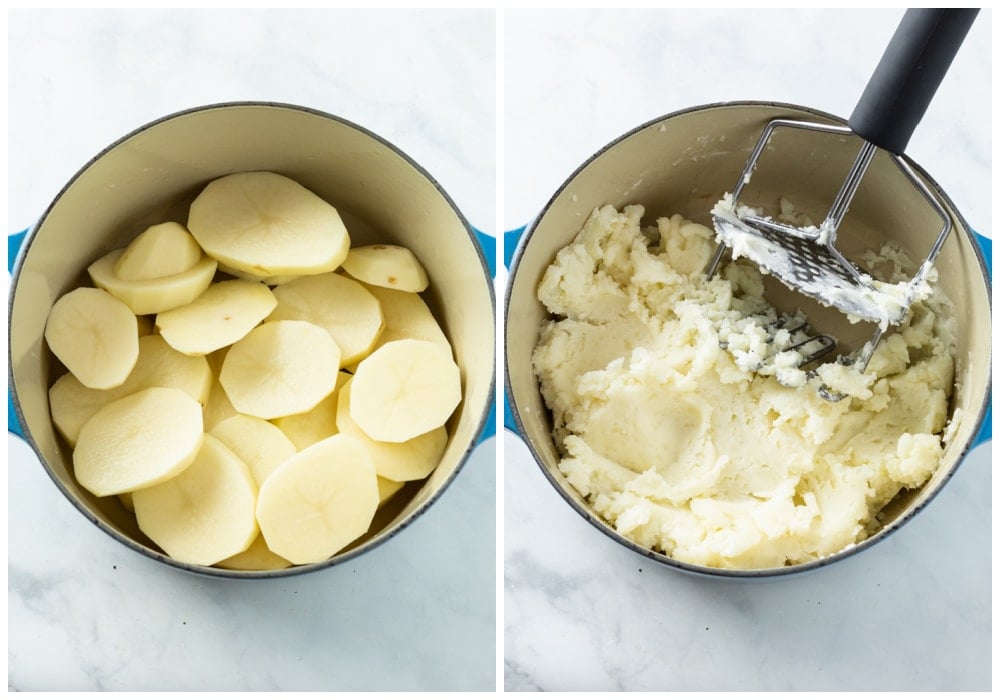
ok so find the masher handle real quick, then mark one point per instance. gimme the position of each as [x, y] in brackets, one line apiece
[908, 75]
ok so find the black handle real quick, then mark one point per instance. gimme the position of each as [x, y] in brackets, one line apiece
[905, 80]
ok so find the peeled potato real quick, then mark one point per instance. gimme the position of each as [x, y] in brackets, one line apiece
[221, 315]
[387, 488]
[72, 404]
[155, 295]
[138, 441]
[404, 389]
[383, 265]
[95, 335]
[319, 501]
[270, 281]
[280, 368]
[411, 460]
[159, 251]
[261, 445]
[407, 317]
[348, 311]
[204, 514]
[266, 224]
[218, 407]
[257, 557]
[319, 423]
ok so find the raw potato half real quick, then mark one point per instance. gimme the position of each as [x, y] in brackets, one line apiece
[221, 315]
[349, 312]
[383, 265]
[266, 224]
[280, 368]
[404, 389]
[399, 461]
[95, 335]
[261, 445]
[72, 404]
[156, 295]
[204, 514]
[319, 501]
[138, 441]
[159, 251]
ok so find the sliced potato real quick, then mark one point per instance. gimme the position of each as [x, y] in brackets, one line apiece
[266, 224]
[218, 407]
[384, 265]
[387, 488]
[404, 389]
[280, 368]
[348, 311]
[127, 504]
[156, 295]
[305, 429]
[204, 514]
[261, 445]
[72, 404]
[159, 251]
[95, 335]
[319, 501]
[270, 281]
[221, 315]
[411, 460]
[407, 317]
[255, 558]
[138, 441]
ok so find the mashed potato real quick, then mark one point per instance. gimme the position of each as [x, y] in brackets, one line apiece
[692, 430]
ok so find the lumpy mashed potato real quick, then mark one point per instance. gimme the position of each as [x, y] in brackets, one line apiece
[688, 425]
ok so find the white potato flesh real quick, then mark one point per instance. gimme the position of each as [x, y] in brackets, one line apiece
[348, 311]
[95, 336]
[319, 423]
[244, 275]
[280, 368]
[404, 389]
[407, 317]
[72, 404]
[383, 265]
[261, 445]
[156, 295]
[221, 315]
[267, 224]
[257, 557]
[319, 501]
[160, 251]
[204, 514]
[218, 407]
[411, 460]
[138, 441]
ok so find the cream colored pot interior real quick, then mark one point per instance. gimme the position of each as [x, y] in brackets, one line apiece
[152, 176]
[683, 164]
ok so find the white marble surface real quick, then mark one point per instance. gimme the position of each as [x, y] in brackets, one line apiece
[417, 613]
[583, 613]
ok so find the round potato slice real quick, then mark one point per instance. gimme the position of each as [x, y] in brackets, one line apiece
[204, 514]
[319, 423]
[261, 445]
[384, 265]
[138, 441]
[407, 317]
[348, 311]
[280, 368]
[411, 460]
[155, 295]
[319, 501]
[159, 251]
[95, 335]
[266, 224]
[257, 557]
[221, 315]
[404, 389]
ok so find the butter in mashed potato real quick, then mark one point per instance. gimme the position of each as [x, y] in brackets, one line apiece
[693, 433]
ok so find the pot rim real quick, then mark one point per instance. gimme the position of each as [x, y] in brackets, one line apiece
[210, 571]
[696, 569]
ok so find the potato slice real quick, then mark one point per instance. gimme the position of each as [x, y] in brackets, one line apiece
[72, 404]
[305, 429]
[404, 389]
[407, 316]
[387, 488]
[399, 461]
[270, 281]
[348, 311]
[266, 224]
[204, 514]
[280, 368]
[138, 441]
[156, 295]
[218, 407]
[221, 315]
[159, 251]
[261, 445]
[383, 265]
[319, 501]
[255, 558]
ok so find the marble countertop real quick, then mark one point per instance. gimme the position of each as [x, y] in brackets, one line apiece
[417, 613]
[583, 613]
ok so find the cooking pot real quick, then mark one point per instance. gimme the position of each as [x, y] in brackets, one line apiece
[152, 175]
[683, 163]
